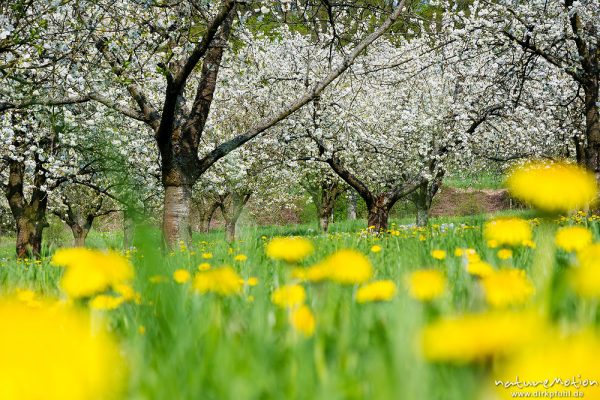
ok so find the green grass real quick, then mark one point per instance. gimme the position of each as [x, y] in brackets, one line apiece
[242, 347]
[483, 180]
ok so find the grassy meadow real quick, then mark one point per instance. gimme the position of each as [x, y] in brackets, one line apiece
[179, 344]
[484, 307]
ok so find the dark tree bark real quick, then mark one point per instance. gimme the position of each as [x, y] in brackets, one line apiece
[329, 194]
[231, 215]
[379, 212]
[324, 197]
[29, 215]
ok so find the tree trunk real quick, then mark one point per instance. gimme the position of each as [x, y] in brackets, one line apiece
[210, 215]
[324, 223]
[328, 196]
[128, 228]
[79, 235]
[378, 218]
[422, 202]
[230, 230]
[29, 216]
[352, 199]
[176, 215]
[29, 237]
[238, 201]
[592, 128]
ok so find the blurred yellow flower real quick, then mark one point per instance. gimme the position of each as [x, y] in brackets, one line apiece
[438, 254]
[289, 296]
[314, 273]
[252, 281]
[585, 276]
[504, 254]
[480, 269]
[223, 281]
[507, 287]
[507, 232]
[303, 320]
[207, 256]
[426, 284]
[204, 267]
[52, 353]
[88, 272]
[127, 292]
[376, 291]
[573, 238]
[473, 337]
[240, 257]
[181, 276]
[375, 248]
[553, 187]
[348, 267]
[572, 359]
[106, 302]
[289, 249]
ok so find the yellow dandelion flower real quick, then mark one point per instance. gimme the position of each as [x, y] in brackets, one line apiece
[223, 281]
[289, 249]
[207, 256]
[480, 269]
[376, 291]
[553, 187]
[438, 254]
[289, 296]
[459, 252]
[348, 267]
[303, 320]
[52, 353]
[240, 257]
[472, 337]
[572, 359]
[106, 302]
[507, 287]
[376, 248]
[573, 238]
[252, 281]
[204, 267]
[315, 273]
[507, 231]
[504, 254]
[299, 273]
[182, 276]
[426, 284]
[127, 293]
[88, 272]
[585, 276]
